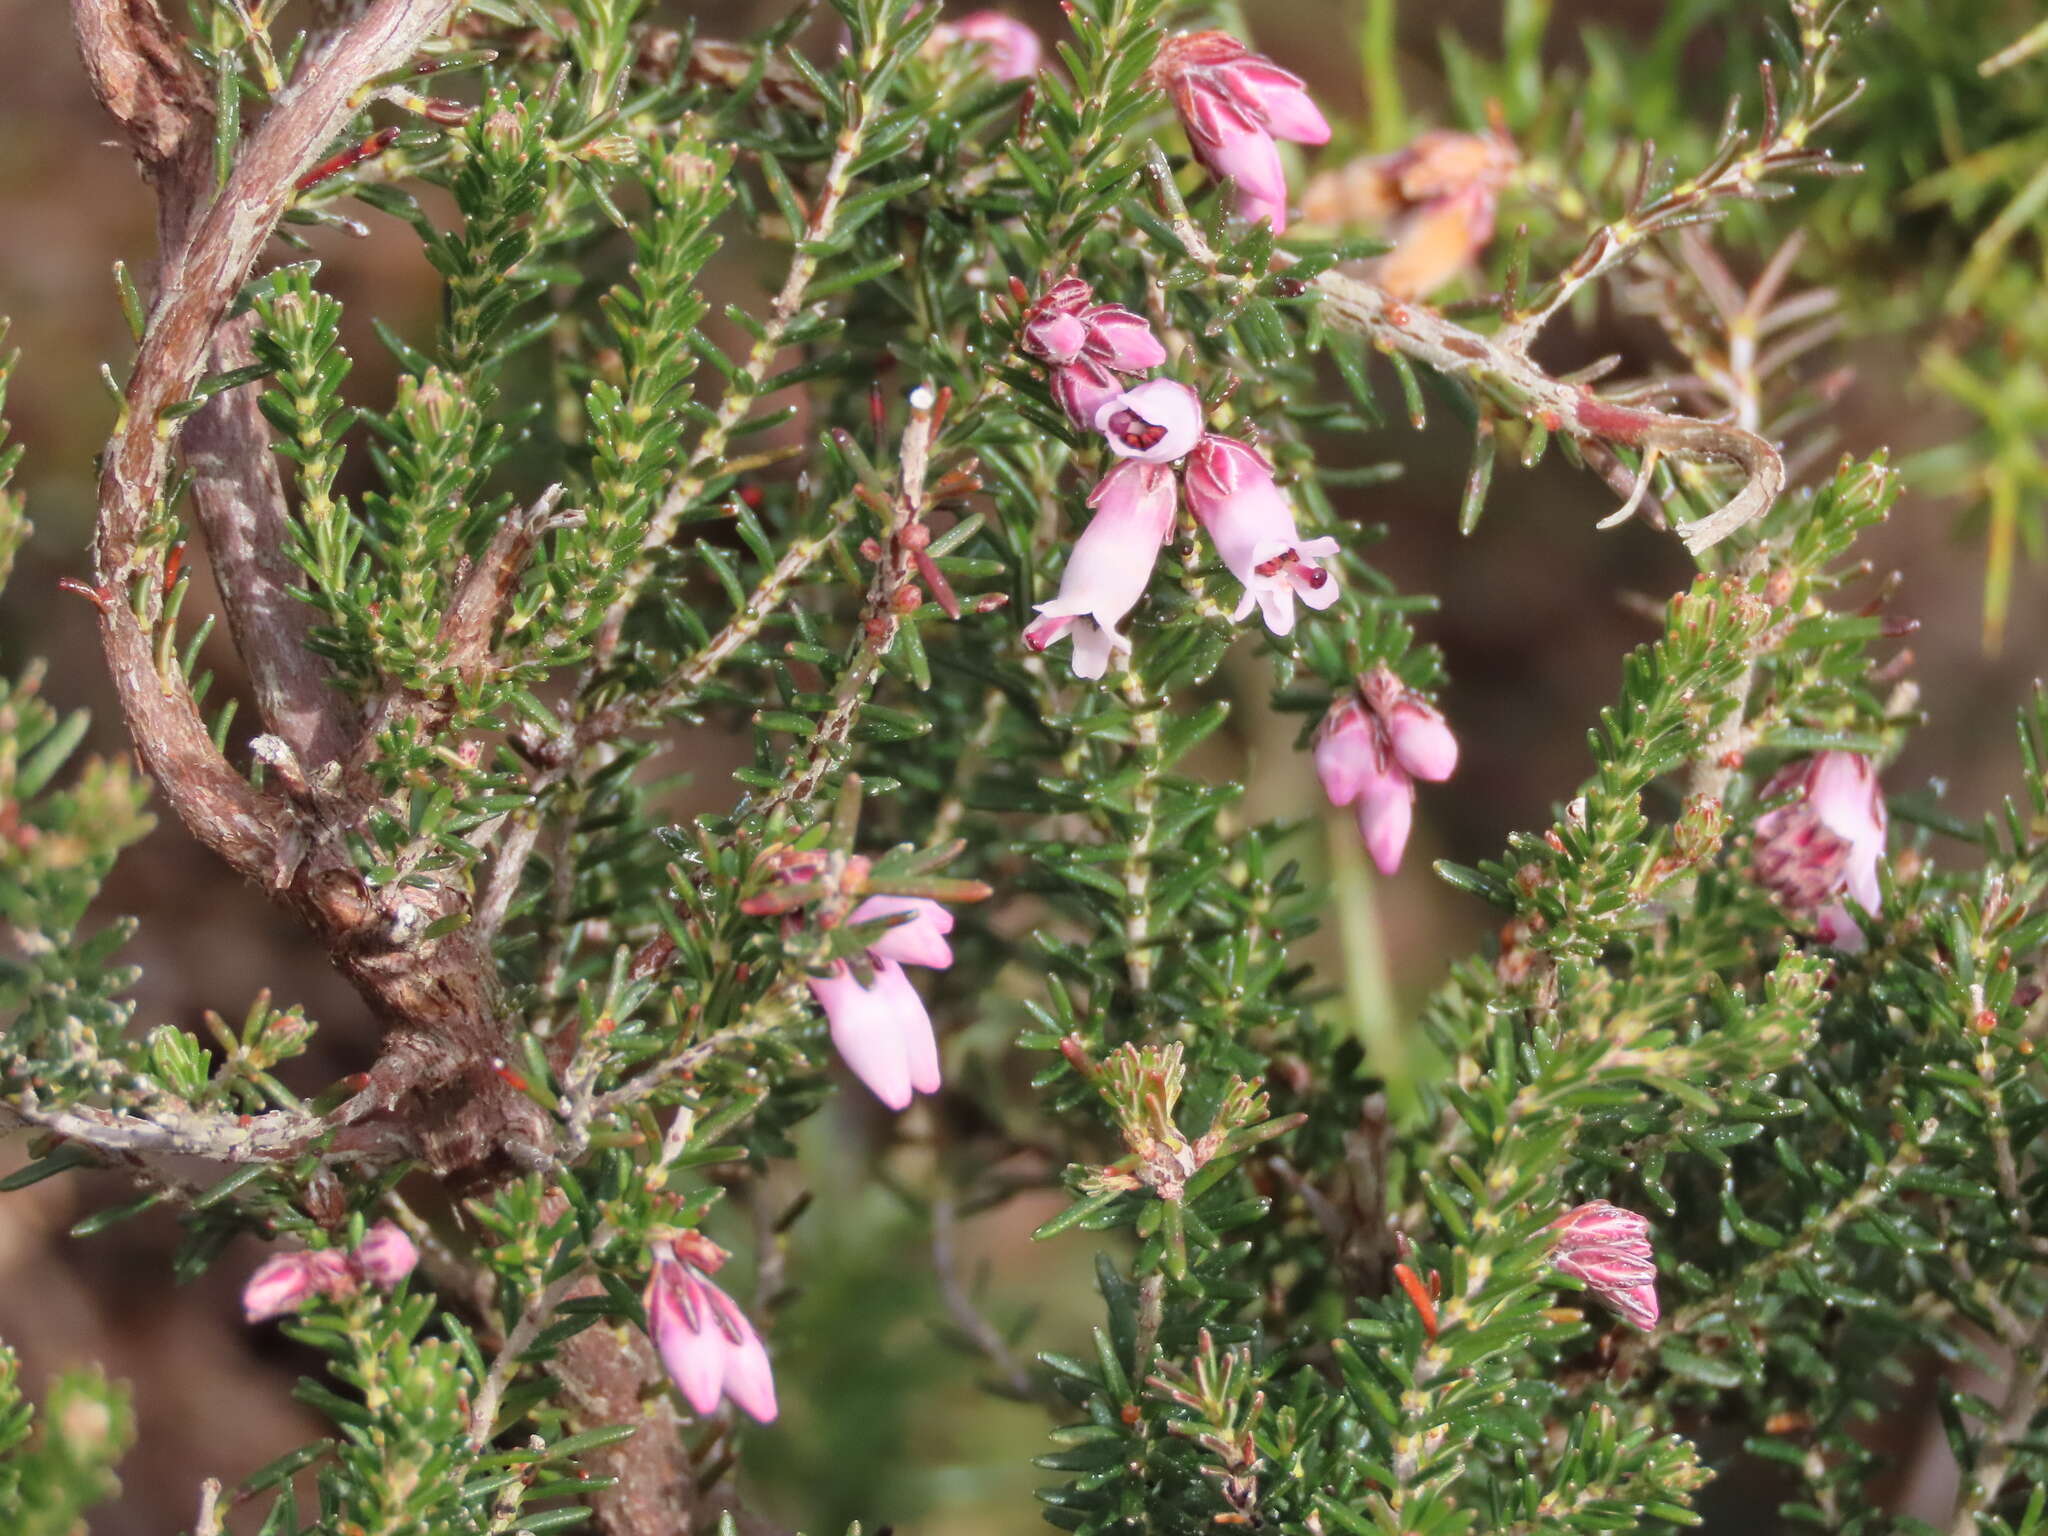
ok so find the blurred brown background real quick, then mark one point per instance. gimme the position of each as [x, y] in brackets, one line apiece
[1533, 624]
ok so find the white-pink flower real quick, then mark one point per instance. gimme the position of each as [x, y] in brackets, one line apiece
[1608, 1250]
[1825, 842]
[1157, 422]
[707, 1346]
[1234, 103]
[1230, 486]
[1110, 565]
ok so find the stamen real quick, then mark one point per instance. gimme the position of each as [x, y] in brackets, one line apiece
[1134, 431]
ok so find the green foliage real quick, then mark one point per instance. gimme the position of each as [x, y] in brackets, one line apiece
[793, 537]
[57, 1464]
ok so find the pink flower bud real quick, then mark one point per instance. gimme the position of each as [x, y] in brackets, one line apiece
[1110, 565]
[919, 940]
[1608, 1249]
[1349, 750]
[1370, 749]
[1120, 340]
[1082, 388]
[285, 1282]
[1234, 103]
[1088, 346]
[1230, 486]
[1422, 743]
[707, 1346]
[882, 1032]
[280, 1285]
[1054, 335]
[1386, 814]
[1009, 49]
[1825, 842]
[1157, 422]
[386, 1255]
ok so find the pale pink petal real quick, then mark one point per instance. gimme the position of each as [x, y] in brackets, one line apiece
[1422, 742]
[1386, 811]
[1120, 340]
[867, 1033]
[1346, 754]
[1281, 101]
[691, 1351]
[921, 940]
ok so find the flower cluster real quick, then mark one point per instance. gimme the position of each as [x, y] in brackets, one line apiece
[1824, 842]
[1371, 748]
[1150, 427]
[285, 1282]
[707, 1346]
[1608, 1250]
[1234, 105]
[1087, 345]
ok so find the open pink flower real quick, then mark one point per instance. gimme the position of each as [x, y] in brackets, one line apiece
[1369, 751]
[1608, 1249]
[285, 1282]
[1110, 565]
[1234, 103]
[706, 1344]
[882, 1031]
[385, 1256]
[1230, 486]
[1009, 49]
[1157, 422]
[1825, 842]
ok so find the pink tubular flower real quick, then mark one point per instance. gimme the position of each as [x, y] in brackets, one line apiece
[1157, 422]
[1230, 486]
[1608, 1249]
[1825, 842]
[707, 1345]
[1009, 49]
[285, 1282]
[385, 1256]
[1234, 103]
[882, 1031]
[1369, 751]
[1110, 565]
